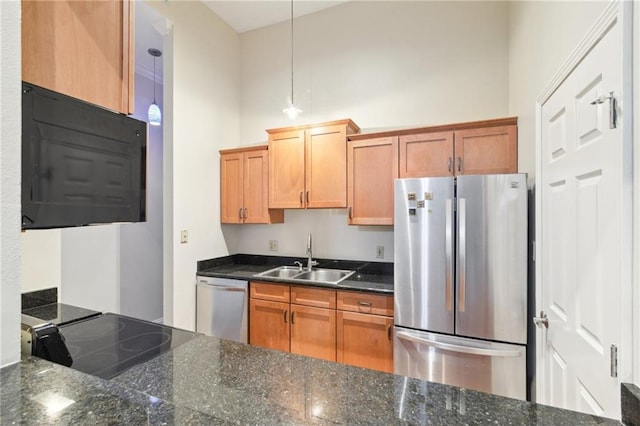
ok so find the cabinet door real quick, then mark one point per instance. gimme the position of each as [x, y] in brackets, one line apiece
[487, 150]
[231, 188]
[313, 332]
[83, 49]
[269, 324]
[326, 167]
[372, 167]
[286, 170]
[365, 340]
[426, 154]
[256, 187]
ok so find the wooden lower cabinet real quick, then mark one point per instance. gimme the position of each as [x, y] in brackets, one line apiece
[350, 327]
[365, 340]
[313, 332]
[269, 324]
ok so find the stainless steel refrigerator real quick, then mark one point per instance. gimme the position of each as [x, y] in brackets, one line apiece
[460, 286]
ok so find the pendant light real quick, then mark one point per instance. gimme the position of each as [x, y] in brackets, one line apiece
[155, 115]
[292, 111]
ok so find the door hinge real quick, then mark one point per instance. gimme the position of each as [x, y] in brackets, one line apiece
[614, 361]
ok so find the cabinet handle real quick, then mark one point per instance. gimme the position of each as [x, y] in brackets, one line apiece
[350, 212]
[240, 213]
[285, 316]
[364, 303]
[459, 164]
[245, 213]
[300, 197]
[293, 317]
[307, 197]
[389, 332]
[449, 164]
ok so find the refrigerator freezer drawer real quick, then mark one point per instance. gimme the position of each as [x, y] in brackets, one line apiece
[222, 308]
[490, 367]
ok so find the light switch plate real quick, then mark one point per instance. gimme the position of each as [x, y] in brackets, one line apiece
[380, 252]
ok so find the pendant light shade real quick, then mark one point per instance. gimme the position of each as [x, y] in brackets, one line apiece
[154, 114]
[291, 110]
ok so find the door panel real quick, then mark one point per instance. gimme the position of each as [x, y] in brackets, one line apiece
[313, 332]
[423, 247]
[491, 262]
[584, 221]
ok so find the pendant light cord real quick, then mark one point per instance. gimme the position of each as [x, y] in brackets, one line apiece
[291, 52]
[154, 79]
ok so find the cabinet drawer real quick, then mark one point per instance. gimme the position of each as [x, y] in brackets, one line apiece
[376, 304]
[313, 297]
[265, 291]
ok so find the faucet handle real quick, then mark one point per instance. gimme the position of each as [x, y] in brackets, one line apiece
[299, 264]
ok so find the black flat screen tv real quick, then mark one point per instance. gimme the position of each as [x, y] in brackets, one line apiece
[81, 164]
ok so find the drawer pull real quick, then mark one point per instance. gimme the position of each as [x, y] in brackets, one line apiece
[389, 332]
[285, 316]
[364, 303]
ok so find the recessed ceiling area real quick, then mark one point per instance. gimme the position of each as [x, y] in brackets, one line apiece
[247, 15]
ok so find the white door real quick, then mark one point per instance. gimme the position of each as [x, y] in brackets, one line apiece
[584, 234]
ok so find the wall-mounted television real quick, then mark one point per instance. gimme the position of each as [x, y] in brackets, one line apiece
[81, 164]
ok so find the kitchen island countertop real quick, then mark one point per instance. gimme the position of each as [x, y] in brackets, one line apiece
[213, 381]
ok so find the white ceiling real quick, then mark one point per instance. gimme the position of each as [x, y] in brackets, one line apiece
[247, 15]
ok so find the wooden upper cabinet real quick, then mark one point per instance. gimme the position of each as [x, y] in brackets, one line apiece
[326, 167]
[308, 165]
[83, 49]
[372, 168]
[286, 169]
[244, 187]
[487, 150]
[426, 154]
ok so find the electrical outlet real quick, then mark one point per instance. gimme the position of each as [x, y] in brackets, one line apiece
[273, 245]
[380, 252]
[184, 236]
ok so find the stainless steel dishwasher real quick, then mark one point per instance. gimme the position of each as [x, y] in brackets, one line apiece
[222, 308]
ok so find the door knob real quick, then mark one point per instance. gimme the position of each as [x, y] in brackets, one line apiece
[542, 320]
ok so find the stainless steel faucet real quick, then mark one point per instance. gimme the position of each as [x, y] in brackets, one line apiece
[310, 262]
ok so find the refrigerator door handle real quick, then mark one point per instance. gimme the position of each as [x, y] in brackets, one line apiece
[449, 254]
[460, 348]
[462, 252]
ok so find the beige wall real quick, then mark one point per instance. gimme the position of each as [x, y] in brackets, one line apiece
[41, 259]
[201, 94]
[383, 64]
[10, 183]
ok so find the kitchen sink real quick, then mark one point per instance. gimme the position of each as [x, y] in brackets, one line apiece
[326, 276]
[280, 272]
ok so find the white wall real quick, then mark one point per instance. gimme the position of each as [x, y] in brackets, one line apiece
[542, 35]
[10, 145]
[90, 267]
[41, 259]
[383, 64]
[141, 243]
[201, 76]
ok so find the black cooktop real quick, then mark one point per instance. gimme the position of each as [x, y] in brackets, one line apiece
[108, 345]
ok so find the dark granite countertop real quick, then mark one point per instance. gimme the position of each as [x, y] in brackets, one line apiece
[213, 381]
[369, 276]
[60, 313]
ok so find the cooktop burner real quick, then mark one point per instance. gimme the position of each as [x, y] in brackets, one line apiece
[110, 344]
